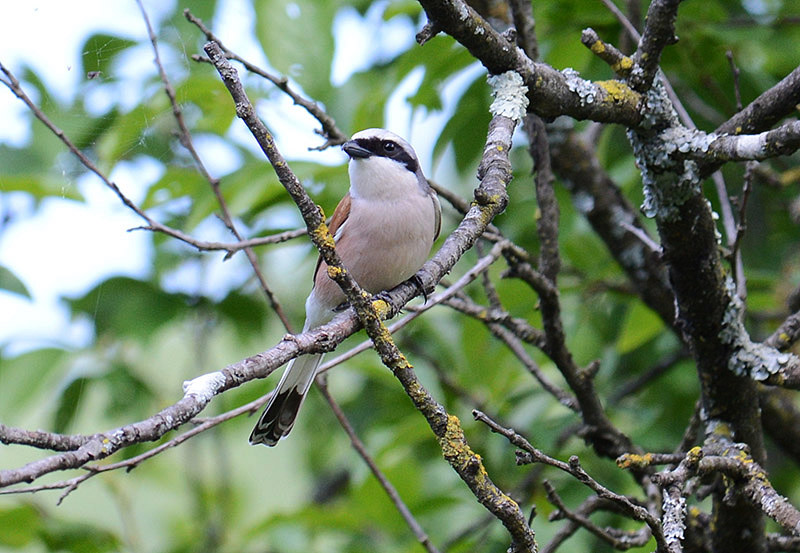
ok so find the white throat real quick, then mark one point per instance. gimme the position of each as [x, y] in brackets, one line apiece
[381, 179]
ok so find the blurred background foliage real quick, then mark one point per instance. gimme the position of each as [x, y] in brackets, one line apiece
[191, 313]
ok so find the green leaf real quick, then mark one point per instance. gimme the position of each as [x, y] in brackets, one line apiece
[147, 129]
[99, 52]
[127, 393]
[24, 378]
[472, 112]
[402, 7]
[78, 537]
[10, 283]
[297, 38]
[208, 93]
[245, 312]
[176, 182]
[127, 307]
[68, 404]
[641, 325]
[20, 525]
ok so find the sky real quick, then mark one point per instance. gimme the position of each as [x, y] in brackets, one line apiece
[63, 248]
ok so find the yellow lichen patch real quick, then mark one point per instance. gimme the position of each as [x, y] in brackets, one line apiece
[381, 308]
[618, 93]
[452, 443]
[321, 235]
[598, 47]
[695, 454]
[623, 65]
[335, 272]
[790, 176]
[634, 460]
[722, 429]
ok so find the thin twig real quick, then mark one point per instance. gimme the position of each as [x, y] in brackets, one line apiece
[187, 142]
[615, 538]
[735, 72]
[623, 19]
[329, 131]
[391, 491]
[129, 464]
[530, 454]
[442, 297]
[741, 227]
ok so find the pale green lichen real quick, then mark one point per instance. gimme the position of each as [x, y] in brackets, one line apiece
[510, 95]
[584, 89]
[669, 178]
[755, 360]
[674, 523]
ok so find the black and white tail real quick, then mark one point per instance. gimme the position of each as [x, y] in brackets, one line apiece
[278, 418]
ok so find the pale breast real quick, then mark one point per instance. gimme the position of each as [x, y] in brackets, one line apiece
[393, 241]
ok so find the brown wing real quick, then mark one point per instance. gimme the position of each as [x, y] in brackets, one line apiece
[340, 215]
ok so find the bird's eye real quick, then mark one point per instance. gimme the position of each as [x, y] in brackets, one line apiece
[389, 146]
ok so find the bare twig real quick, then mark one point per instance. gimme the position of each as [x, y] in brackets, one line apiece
[741, 227]
[766, 110]
[530, 454]
[442, 297]
[623, 19]
[329, 130]
[619, 62]
[391, 491]
[188, 143]
[735, 73]
[129, 464]
[615, 538]
[525, 24]
[659, 31]
[787, 333]
[150, 224]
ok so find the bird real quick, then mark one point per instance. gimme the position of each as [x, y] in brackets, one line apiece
[384, 229]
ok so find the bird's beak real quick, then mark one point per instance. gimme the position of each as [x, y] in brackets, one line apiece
[355, 151]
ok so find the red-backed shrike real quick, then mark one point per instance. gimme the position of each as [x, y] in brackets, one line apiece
[384, 229]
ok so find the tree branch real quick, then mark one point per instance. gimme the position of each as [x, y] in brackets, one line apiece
[551, 92]
[391, 491]
[659, 32]
[329, 129]
[530, 454]
[770, 107]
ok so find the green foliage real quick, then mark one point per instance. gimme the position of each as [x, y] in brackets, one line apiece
[100, 51]
[10, 283]
[21, 526]
[129, 307]
[222, 495]
[305, 23]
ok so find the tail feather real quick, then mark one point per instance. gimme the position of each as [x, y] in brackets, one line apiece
[278, 418]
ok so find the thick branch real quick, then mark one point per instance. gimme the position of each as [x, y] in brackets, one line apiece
[551, 92]
[784, 140]
[659, 32]
[766, 110]
[614, 220]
